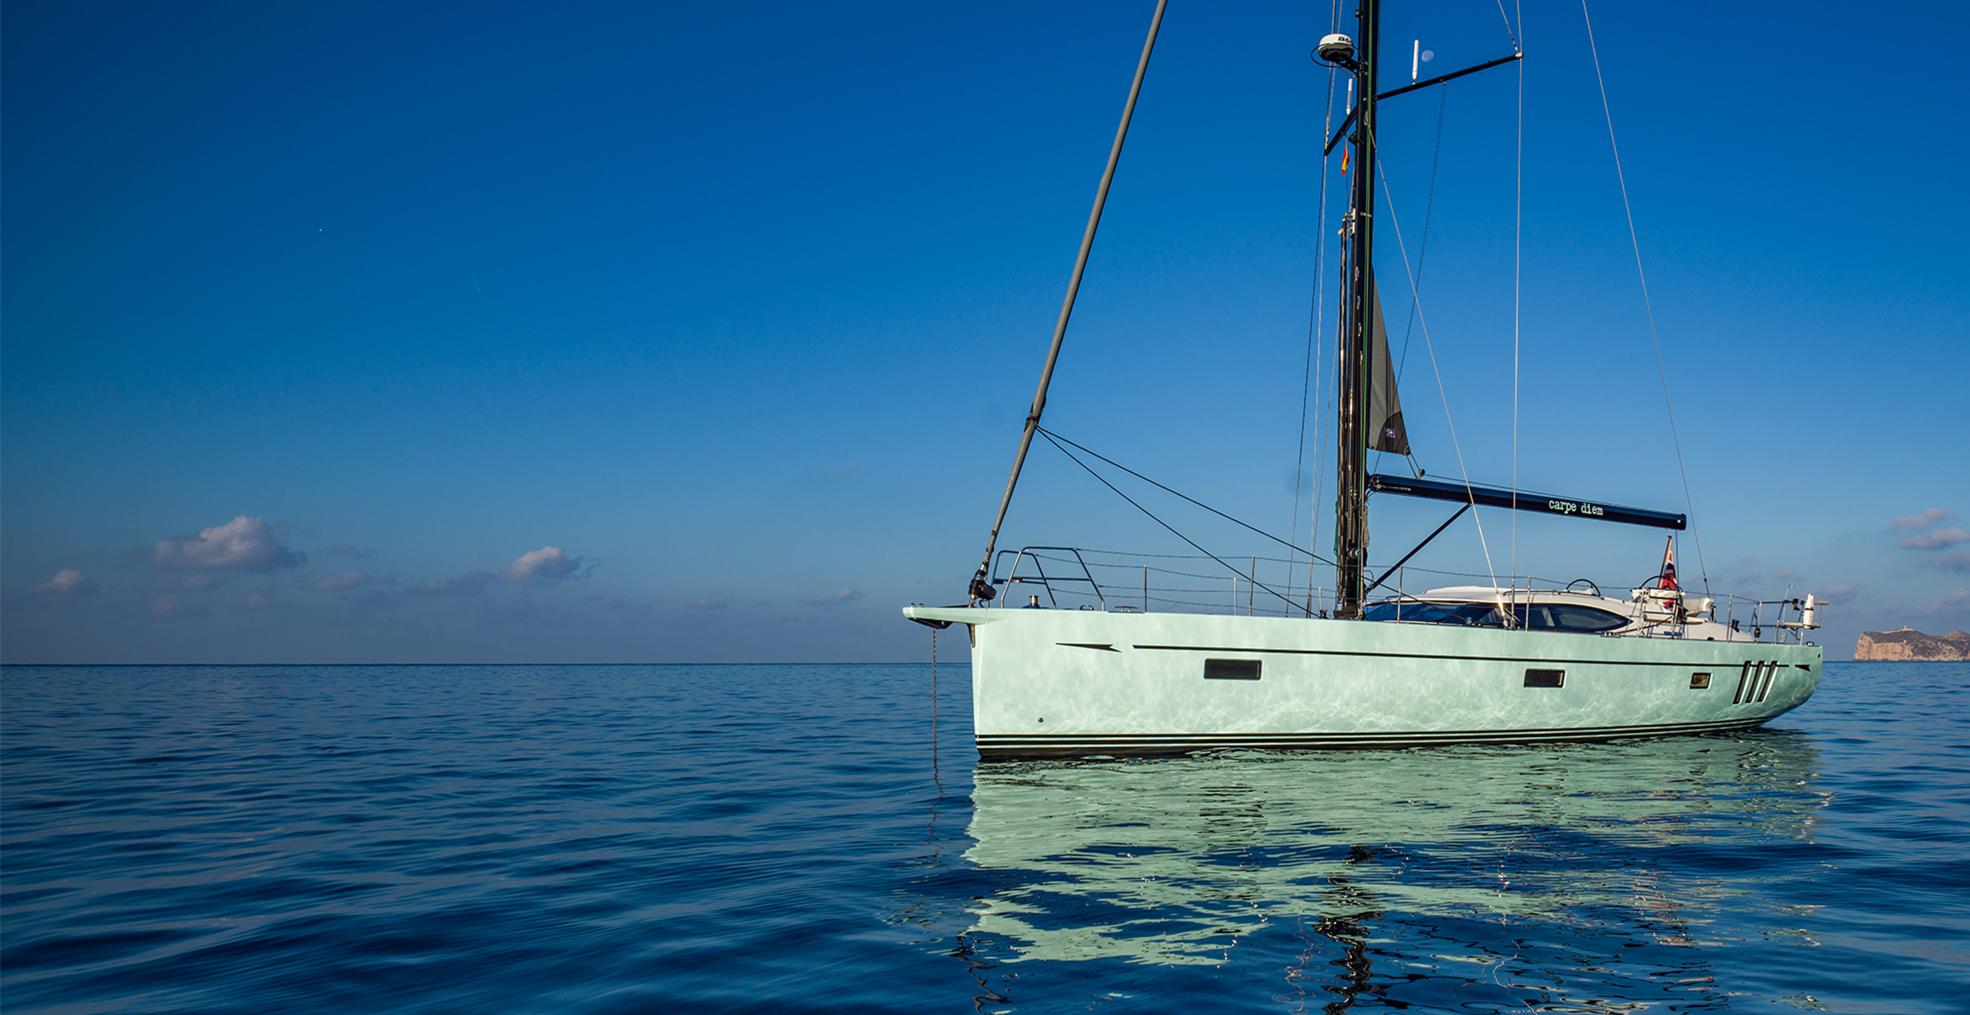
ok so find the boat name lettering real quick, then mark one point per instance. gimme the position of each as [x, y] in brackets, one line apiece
[1574, 507]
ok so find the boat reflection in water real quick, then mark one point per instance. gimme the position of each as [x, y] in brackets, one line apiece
[1407, 863]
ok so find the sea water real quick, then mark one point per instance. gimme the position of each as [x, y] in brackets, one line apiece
[797, 838]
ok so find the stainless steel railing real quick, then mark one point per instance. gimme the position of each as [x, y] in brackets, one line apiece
[1070, 577]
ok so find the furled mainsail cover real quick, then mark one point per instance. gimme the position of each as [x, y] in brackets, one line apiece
[1385, 429]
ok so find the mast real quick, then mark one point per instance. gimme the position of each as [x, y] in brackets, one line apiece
[1351, 433]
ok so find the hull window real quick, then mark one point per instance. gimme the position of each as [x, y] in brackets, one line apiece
[1545, 678]
[1699, 681]
[1231, 669]
[1742, 676]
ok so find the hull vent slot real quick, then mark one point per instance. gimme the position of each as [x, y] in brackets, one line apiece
[1231, 669]
[1545, 678]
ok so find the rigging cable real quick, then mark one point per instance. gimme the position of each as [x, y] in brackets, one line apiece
[1508, 22]
[1103, 480]
[1319, 388]
[1655, 340]
[1518, 234]
[1319, 418]
[1430, 347]
[1422, 252]
[1309, 380]
[1295, 547]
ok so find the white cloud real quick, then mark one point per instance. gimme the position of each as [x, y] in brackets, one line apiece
[543, 566]
[68, 582]
[243, 544]
[841, 598]
[1785, 573]
[1954, 561]
[549, 563]
[712, 603]
[1936, 539]
[1841, 590]
[1922, 520]
[201, 582]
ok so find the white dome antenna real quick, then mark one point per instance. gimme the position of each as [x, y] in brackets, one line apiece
[1336, 49]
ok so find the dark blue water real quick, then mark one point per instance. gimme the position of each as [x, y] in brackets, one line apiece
[777, 838]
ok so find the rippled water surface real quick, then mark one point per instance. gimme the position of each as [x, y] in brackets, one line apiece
[778, 838]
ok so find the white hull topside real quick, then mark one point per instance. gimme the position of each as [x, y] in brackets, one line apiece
[1083, 682]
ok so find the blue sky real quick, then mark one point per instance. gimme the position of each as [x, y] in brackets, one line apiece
[363, 333]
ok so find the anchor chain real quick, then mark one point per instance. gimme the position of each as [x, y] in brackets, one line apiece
[933, 700]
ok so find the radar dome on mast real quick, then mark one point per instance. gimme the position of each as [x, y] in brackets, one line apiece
[1336, 49]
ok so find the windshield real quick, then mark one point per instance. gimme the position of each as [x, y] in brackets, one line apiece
[1455, 614]
[1567, 617]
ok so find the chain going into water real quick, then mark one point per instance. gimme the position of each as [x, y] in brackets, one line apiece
[933, 700]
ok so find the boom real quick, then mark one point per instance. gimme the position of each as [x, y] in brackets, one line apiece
[1491, 496]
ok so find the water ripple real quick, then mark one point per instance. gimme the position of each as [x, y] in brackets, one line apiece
[789, 838]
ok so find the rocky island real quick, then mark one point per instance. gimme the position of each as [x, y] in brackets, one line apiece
[1907, 643]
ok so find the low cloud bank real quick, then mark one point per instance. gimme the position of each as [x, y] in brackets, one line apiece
[243, 544]
[1936, 539]
[1921, 519]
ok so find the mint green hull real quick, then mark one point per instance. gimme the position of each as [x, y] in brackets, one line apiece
[1074, 683]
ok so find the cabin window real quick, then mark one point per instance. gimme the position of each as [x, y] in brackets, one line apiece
[1452, 614]
[1584, 619]
[1545, 678]
[1231, 669]
[1699, 681]
[1532, 617]
[1566, 617]
[1525, 616]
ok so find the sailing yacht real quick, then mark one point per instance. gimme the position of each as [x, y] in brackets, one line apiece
[1382, 668]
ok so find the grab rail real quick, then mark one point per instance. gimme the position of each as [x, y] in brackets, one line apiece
[1041, 578]
[1180, 587]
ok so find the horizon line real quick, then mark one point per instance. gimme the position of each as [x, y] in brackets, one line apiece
[849, 662]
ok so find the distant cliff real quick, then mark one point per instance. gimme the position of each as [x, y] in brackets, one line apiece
[1909, 643]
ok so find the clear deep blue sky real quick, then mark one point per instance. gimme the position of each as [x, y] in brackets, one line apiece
[725, 316]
